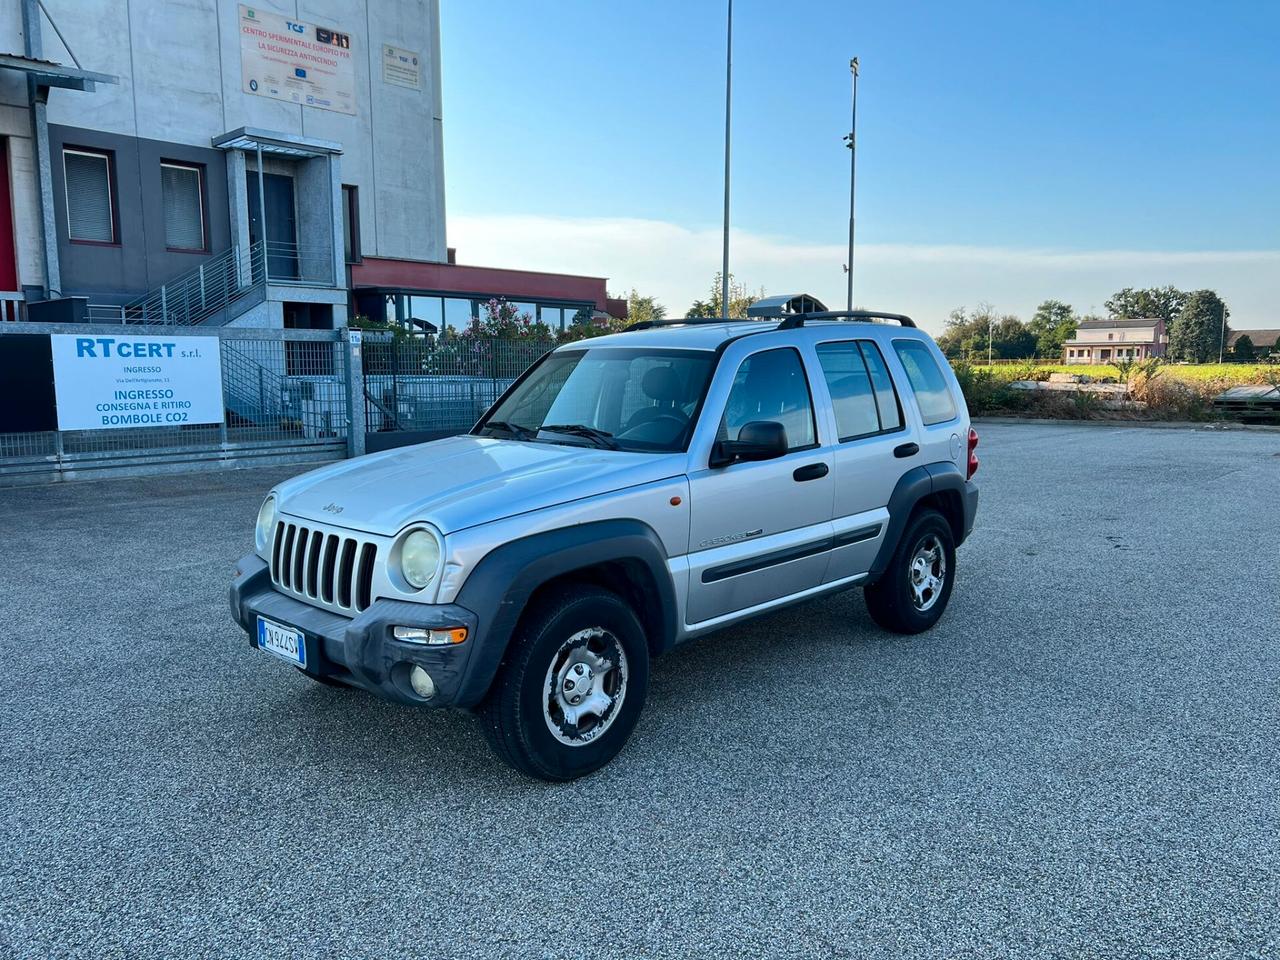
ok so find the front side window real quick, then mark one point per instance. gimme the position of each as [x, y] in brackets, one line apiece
[90, 210]
[182, 188]
[771, 386]
[862, 394]
[624, 398]
[927, 382]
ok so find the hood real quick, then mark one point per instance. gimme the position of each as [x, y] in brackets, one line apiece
[463, 481]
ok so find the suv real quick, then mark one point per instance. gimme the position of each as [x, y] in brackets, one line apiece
[625, 494]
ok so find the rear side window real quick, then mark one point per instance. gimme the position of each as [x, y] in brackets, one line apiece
[927, 381]
[861, 392]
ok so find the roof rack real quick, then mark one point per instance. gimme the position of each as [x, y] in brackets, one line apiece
[792, 321]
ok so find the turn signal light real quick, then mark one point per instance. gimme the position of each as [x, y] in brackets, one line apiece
[431, 636]
[973, 457]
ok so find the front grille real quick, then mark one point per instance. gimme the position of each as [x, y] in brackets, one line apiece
[332, 569]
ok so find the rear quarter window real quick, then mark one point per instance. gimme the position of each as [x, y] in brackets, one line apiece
[933, 395]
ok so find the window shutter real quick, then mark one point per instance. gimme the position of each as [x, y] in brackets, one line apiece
[183, 209]
[88, 197]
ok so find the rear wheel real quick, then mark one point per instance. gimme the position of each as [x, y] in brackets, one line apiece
[913, 591]
[570, 691]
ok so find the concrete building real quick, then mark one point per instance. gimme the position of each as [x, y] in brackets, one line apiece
[218, 162]
[1105, 341]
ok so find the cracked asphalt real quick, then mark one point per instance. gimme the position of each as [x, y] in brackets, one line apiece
[1079, 761]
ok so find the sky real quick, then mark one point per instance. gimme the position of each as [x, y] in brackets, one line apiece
[1008, 153]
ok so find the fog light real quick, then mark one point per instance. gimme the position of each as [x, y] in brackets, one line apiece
[422, 683]
[432, 637]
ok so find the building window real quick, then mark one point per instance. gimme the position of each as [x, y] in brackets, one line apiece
[90, 207]
[351, 223]
[182, 189]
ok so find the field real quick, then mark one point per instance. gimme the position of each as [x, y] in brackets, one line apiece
[1189, 372]
[1168, 392]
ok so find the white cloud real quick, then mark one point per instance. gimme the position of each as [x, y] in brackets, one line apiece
[676, 264]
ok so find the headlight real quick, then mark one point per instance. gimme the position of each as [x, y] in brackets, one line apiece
[266, 522]
[419, 558]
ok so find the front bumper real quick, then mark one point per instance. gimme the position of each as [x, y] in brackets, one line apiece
[360, 651]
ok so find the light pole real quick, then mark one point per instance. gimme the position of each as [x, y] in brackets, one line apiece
[991, 328]
[852, 143]
[728, 104]
[1222, 341]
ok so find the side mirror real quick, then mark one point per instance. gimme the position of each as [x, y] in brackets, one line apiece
[757, 440]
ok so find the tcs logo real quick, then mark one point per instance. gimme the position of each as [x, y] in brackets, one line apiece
[295, 27]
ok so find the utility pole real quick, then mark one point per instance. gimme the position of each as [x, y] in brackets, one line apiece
[852, 144]
[991, 327]
[728, 104]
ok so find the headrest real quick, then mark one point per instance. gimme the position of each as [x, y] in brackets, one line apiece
[661, 384]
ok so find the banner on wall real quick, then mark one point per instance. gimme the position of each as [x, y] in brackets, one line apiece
[296, 61]
[105, 383]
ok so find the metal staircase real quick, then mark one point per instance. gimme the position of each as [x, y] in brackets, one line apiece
[222, 288]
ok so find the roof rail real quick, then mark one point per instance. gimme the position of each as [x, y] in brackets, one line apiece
[679, 321]
[858, 316]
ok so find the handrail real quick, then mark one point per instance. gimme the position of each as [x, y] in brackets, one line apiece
[15, 311]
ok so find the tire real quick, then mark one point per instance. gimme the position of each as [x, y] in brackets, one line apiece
[894, 601]
[583, 638]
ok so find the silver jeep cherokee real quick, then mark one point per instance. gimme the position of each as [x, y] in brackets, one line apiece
[625, 495]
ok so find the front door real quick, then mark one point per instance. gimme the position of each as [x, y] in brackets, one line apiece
[760, 531]
[282, 229]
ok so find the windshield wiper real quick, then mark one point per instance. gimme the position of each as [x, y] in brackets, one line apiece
[517, 431]
[601, 438]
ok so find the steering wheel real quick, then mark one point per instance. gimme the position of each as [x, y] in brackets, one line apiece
[649, 414]
[679, 419]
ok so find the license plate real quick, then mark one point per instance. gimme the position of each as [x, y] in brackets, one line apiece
[285, 642]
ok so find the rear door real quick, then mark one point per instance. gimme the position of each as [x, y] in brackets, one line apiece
[931, 387]
[875, 446]
[758, 531]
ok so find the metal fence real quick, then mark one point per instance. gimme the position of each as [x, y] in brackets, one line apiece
[438, 387]
[286, 396]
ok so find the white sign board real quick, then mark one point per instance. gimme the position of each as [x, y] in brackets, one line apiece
[104, 383]
[295, 61]
[401, 67]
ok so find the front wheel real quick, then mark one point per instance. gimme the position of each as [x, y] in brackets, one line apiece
[913, 591]
[569, 693]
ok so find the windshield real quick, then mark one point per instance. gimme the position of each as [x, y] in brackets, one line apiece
[621, 398]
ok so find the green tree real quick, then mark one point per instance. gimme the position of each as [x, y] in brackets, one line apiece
[967, 334]
[1052, 325]
[1243, 348]
[739, 300]
[1197, 331]
[1163, 302]
[641, 309]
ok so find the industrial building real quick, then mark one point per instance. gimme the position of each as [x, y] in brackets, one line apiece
[272, 165]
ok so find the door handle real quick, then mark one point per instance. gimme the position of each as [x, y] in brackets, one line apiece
[906, 450]
[811, 471]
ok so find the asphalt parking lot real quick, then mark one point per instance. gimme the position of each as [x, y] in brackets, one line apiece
[1080, 760]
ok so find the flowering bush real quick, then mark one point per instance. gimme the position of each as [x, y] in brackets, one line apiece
[501, 320]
